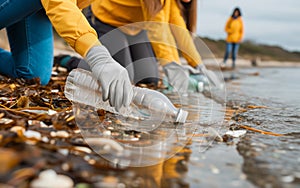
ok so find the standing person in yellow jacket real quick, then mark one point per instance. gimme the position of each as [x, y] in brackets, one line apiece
[134, 22]
[235, 31]
[29, 29]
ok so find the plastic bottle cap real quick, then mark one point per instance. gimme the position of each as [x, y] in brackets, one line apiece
[200, 86]
[181, 116]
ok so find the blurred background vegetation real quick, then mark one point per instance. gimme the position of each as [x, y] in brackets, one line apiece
[251, 50]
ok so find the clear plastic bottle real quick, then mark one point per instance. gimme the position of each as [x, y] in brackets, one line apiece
[197, 83]
[83, 88]
[201, 80]
[194, 85]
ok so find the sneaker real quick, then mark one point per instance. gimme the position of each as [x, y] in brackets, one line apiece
[222, 65]
[67, 62]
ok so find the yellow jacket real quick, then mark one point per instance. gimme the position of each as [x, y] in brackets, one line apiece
[164, 38]
[234, 29]
[71, 24]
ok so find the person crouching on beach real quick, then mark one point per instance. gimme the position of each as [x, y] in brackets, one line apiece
[136, 24]
[29, 28]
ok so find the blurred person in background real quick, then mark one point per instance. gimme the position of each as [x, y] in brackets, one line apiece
[235, 31]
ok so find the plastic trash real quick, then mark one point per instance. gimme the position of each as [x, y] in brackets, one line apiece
[197, 83]
[202, 80]
[194, 85]
[236, 133]
[83, 88]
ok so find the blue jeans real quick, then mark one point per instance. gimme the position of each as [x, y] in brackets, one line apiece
[30, 37]
[233, 49]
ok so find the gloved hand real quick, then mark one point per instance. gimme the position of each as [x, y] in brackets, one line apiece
[178, 77]
[201, 69]
[114, 79]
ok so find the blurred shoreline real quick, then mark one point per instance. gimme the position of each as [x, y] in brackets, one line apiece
[61, 47]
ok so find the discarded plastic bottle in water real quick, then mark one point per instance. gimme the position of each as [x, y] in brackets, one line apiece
[194, 85]
[197, 83]
[83, 88]
[201, 80]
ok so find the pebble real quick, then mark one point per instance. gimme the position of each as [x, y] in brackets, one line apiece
[64, 152]
[106, 133]
[45, 139]
[108, 182]
[237, 133]
[77, 131]
[60, 134]
[54, 91]
[49, 179]
[65, 166]
[18, 129]
[287, 179]
[5, 121]
[83, 149]
[33, 134]
[215, 170]
[51, 112]
[105, 141]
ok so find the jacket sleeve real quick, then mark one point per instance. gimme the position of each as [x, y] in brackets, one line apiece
[71, 24]
[160, 36]
[241, 30]
[228, 30]
[183, 37]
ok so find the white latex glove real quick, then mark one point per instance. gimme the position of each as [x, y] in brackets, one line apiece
[178, 77]
[114, 79]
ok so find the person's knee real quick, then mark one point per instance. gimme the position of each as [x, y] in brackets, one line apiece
[27, 73]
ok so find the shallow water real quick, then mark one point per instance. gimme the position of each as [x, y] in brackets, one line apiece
[269, 161]
[255, 160]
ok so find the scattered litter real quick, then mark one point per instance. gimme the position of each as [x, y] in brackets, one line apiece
[212, 133]
[260, 131]
[287, 179]
[236, 133]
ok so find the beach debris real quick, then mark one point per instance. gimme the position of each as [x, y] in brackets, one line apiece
[8, 160]
[33, 134]
[254, 106]
[213, 134]
[260, 131]
[236, 133]
[107, 144]
[109, 182]
[6, 121]
[287, 178]
[60, 134]
[49, 179]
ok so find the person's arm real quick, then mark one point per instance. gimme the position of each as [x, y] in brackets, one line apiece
[71, 24]
[241, 30]
[228, 29]
[183, 37]
[160, 35]
[186, 44]
[164, 46]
